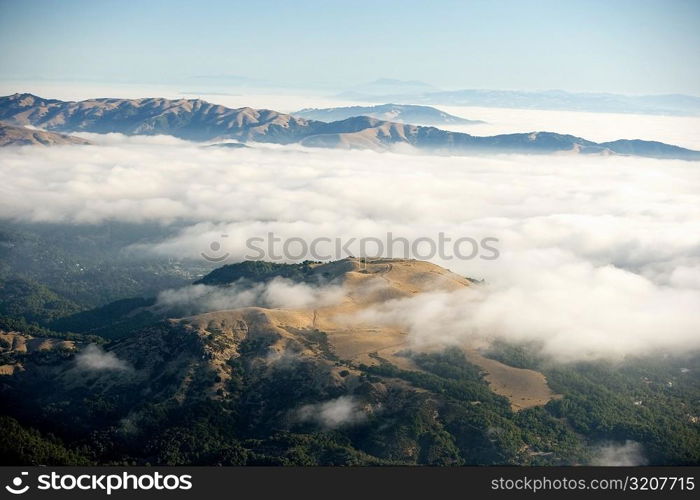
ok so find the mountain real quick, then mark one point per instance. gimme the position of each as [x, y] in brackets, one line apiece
[667, 104]
[401, 113]
[22, 136]
[198, 120]
[652, 149]
[369, 133]
[308, 385]
[190, 119]
[251, 385]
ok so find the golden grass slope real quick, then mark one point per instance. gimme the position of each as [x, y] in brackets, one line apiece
[367, 283]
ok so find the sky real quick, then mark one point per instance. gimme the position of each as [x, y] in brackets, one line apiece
[632, 47]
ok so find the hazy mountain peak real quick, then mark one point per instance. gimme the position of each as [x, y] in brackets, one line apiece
[402, 113]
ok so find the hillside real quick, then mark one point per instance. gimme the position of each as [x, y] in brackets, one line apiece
[264, 385]
[197, 120]
[271, 370]
[365, 285]
[22, 136]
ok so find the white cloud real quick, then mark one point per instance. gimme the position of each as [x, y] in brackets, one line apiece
[94, 358]
[628, 454]
[574, 310]
[599, 256]
[277, 293]
[332, 414]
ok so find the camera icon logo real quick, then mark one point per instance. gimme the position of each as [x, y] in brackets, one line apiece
[16, 488]
[215, 246]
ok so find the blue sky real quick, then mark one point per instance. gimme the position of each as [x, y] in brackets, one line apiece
[617, 46]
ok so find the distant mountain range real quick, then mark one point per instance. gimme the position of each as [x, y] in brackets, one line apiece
[401, 113]
[197, 120]
[668, 104]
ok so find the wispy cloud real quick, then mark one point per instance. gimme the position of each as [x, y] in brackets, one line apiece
[94, 358]
[278, 293]
[629, 453]
[332, 414]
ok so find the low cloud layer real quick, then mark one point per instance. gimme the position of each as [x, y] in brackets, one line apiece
[94, 358]
[332, 414]
[278, 293]
[599, 127]
[574, 310]
[599, 257]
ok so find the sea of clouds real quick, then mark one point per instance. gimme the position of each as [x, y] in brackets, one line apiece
[599, 257]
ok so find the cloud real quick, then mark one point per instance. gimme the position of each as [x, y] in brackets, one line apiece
[332, 414]
[94, 358]
[599, 256]
[574, 310]
[628, 454]
[598, 127]
[277, 293]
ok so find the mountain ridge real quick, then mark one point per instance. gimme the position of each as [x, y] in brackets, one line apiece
[198, 120]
